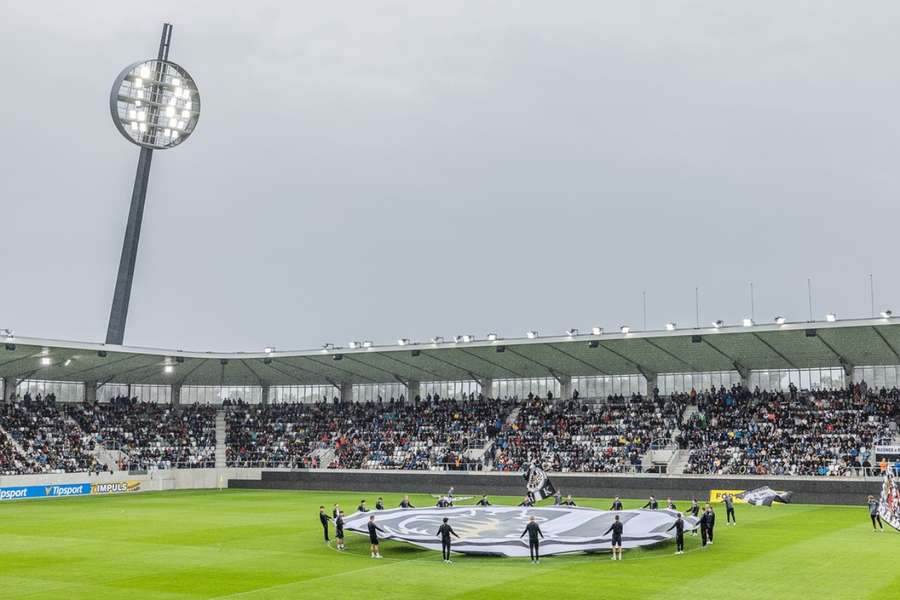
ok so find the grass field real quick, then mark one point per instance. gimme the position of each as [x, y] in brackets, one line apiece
[267, 544]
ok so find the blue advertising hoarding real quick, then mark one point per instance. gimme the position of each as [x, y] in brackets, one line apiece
[44, 491]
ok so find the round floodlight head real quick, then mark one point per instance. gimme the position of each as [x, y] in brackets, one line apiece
[155, 104]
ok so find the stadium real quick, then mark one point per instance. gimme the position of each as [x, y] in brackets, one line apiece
[755, 458]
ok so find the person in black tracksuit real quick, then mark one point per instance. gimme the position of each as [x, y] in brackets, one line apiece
[616, 505]
[445, 531]
[728, 499]
[339, 531]
[379, 504]
[323, 518]
[527, 502]
[711, 524]
[335, 511]
[362, 506]
[484, 501]
[533, 530]
[873, 513]
[695, 512]
[617, 528]
[373, 537]
[652, 504]
[670, 505]
[678, 526]
[568, 501]
[405, 503]
[704, 528]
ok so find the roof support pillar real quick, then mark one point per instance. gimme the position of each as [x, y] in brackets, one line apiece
[176, 394]
[264, 397]
[744, 372]
[652, 384]
[487, 387]
[90, 391]
[346, 391]
[9, 387]
[413, 390]
[565, 387]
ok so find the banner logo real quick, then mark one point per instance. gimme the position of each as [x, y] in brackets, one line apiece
[45, 491]
[716, 495]
[116, 487]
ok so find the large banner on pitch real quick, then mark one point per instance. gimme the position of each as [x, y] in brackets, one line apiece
[497, 530]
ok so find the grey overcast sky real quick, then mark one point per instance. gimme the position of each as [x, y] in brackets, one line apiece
[375, 170]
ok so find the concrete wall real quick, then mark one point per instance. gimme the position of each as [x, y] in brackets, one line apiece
[807, 490]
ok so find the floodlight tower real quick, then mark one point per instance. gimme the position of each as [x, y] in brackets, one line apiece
[154, 103]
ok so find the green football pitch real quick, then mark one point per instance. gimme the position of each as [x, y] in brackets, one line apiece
[268, 544]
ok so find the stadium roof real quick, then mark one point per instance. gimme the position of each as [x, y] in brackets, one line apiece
[765, 346]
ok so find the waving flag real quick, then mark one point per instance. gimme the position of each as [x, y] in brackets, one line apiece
[764, 496]
[889, 506]
[537, 483]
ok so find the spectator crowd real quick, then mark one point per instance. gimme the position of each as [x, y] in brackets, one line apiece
[724, 431]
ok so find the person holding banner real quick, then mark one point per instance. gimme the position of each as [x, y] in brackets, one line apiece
[694, 510]
[373, 537]
[678, 526]
[617, 527]
[445, 531]
[873, 513]
[323, 518]
[704, 528]
[533, 530]
[339, 531]
[616, 505]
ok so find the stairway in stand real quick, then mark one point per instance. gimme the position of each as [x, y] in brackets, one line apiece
[220, 439]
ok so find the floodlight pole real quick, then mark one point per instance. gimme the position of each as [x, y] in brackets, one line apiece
[115, 332]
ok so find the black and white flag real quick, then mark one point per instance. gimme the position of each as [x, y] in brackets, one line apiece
[764, 496]
[537, 483]
[889, 506]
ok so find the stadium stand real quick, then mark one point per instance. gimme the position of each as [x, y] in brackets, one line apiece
[723, 431]
[609, 436]
[151, 435]
[49, 442]
[388, 435]
[775, 433]
[41, 436]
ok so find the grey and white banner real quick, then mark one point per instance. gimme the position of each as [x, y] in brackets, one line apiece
[765, 496]
[496, 530]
